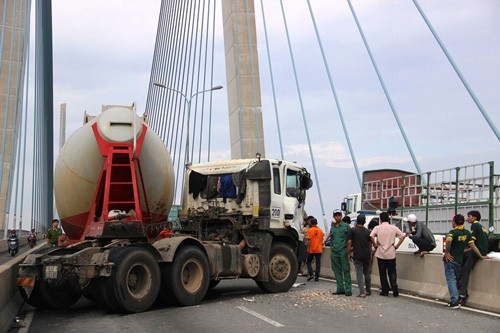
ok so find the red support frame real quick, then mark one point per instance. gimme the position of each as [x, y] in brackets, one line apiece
[118, 184]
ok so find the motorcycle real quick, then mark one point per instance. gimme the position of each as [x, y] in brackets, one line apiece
[13, 243]
[32, 240]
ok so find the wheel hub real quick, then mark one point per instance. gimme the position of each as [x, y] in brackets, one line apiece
[280, 267]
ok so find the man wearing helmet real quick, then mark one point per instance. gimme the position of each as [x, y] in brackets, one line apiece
[421, 236]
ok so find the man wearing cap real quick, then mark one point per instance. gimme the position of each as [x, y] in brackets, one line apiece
[422, 236]
[456, 242]
[338, 248]
[386, 253]
[53, 234]
[359, 247]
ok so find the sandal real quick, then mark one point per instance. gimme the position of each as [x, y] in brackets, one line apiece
[361, 295]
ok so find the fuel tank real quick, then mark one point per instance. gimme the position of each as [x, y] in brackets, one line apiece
[80, 162]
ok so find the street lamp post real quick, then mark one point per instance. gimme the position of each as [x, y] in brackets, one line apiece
[188, 102]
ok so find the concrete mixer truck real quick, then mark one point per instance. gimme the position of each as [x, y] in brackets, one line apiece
[114, 186]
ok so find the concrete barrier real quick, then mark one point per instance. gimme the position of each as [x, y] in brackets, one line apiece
[10, 299]
[424, 276]
[418, 276]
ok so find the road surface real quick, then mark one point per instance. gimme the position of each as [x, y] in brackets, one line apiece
[240, 306]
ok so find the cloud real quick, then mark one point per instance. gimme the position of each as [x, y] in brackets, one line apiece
[334, 155]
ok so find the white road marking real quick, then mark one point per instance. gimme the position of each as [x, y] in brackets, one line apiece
[443, 303]
[258, 315]
[27, 322]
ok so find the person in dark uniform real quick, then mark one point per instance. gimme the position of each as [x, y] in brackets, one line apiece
[359, 248]
[479, 237]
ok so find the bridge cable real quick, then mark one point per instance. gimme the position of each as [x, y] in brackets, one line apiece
[389, 100]
[199, 33]
[457, 70]
[153, 96]
[164, 109]
[195, 88]
[303, 113]
[177, 101]
[26, 99]
[272, 81]
[211, 81]
[204, 75]
[334, 92]
[2, 38]
[177, 65]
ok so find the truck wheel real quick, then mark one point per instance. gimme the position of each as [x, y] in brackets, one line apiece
[134, 282]
[282, 269]
[35, 299]
[186, 280]
[51, 296]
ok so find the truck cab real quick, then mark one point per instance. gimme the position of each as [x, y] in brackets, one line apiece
[264, 193]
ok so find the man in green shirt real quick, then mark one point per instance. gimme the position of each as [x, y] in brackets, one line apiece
[339, 260]
[457, 240]
[53, 233]
[480, 239]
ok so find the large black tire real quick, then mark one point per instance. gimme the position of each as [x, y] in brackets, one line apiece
[185, 281]
[46, 295]
[134, 282]
[35, 299]
[104, 291]
[282, 269]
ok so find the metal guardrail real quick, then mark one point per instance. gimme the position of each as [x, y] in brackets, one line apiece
[438, 195]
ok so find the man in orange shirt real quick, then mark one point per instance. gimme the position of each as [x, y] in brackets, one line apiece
[315, 248]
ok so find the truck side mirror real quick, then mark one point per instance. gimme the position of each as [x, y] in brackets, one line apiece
[306, 181]
[343, 206]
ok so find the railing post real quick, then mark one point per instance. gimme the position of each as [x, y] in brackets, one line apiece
[457, 169]
[491, 206]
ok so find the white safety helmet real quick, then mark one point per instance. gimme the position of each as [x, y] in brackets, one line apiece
[412, 218]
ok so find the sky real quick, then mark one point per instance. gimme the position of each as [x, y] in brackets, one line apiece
[103, 53]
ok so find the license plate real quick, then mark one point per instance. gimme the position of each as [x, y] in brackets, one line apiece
[51, 272]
